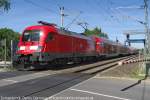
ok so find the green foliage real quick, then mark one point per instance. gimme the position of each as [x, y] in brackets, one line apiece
[96, 31]
[5, 5]
[9, 35]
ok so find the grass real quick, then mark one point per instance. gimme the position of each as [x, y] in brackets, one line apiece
[7, 68]
[138, 73]
[128, 70]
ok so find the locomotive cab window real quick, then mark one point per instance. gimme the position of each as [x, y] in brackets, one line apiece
[49, 37]
[31, 35]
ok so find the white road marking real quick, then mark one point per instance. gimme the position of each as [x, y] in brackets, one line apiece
[68, 89]
[115, 97]
[10, 80]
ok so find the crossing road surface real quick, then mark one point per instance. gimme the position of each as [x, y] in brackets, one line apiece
[42, 84]
[73, 86]
[106, 89]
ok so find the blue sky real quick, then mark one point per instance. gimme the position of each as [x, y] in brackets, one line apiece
[111, 15]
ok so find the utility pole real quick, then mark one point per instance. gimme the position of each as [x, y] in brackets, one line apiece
[62, 16]
[147, 35]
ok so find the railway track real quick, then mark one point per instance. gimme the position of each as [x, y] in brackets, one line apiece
[72, 77]
[96, 66]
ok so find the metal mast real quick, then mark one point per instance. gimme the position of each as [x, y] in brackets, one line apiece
[62, 16]
[147, 35]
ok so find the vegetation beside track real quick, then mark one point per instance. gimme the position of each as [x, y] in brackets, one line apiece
[7, 68]
[8, 34]
[127, 70]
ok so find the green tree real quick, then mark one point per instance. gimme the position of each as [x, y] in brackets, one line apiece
[4, 5]
[9, 35]
[96, 31]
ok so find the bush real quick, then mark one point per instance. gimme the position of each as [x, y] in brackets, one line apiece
[9, 35]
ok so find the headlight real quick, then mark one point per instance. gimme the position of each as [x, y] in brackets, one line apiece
[38, 48]
[33, 47]
[21, 48]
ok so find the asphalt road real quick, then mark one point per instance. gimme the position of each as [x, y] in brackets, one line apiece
[33, 84]
[44, 84]
[4, 75]
[106, 89]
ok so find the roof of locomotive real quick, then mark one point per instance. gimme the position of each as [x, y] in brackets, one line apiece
[34, 27]
[74, 34]
[59, 30]
[43, 25]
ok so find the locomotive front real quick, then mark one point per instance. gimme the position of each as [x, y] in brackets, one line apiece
[31, 47]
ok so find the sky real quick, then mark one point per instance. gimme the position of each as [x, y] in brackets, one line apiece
[114, 17]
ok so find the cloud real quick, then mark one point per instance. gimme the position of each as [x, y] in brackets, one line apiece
[129, 7]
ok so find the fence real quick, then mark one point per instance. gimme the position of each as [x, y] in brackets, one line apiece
[7, 51]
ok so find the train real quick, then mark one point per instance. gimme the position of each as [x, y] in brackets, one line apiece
[46, 43]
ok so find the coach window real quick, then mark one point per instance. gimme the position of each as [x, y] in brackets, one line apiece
[49, 37]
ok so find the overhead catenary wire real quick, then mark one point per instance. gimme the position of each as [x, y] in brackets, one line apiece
[104, 12]
[100, 9]
[115, 13]
[131, 17]
[67, 26]
[72, 20]
[49, 10]
[123, 14]
[40, 6]
[110, 14]
[69, 13]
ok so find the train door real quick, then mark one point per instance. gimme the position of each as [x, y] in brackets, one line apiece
[106, 48]
[51, 43]
[102, 51]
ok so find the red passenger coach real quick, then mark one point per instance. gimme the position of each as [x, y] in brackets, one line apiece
[107, 48]
[46, 43]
